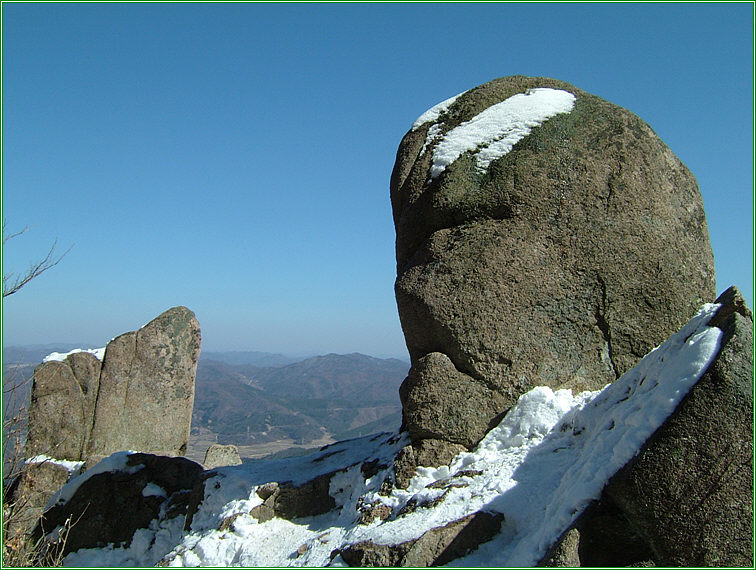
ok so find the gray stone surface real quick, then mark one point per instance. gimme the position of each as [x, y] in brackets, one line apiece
[307, 500]
[62, 407]
[561, 265]
[286, 501]
[405, 466]
[147, 387]
[439, 402]
[565, 553]
[218, 455]
[435, 452]
[422, 453]
[602, 537]
[689, 492]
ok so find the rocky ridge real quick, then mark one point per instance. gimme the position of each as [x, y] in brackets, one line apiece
[342, 506]
[546, 241]
[137, 393]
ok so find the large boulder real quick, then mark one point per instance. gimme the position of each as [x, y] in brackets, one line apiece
[147, 388]
[140, 397]
[544, 237]
[82, 409]
[122, 495]
[686, 498]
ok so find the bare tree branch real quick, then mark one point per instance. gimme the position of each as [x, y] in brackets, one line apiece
[12, 282]
[6, 238]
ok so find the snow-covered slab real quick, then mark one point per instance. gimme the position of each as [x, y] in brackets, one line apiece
[492, 133]
[234, 489]
[99, 353]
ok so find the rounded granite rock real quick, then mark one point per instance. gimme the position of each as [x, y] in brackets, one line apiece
[557, 243]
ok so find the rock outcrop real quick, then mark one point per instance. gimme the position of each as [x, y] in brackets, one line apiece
[81, 410]
[109, 507]
[689, 493]
[686, 499]
[218, 455]
[147, 388]
[140, 397]
[544, 237]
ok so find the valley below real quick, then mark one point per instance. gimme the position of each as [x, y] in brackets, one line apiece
[287, 409]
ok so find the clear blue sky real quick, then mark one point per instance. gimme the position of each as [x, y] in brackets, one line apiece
[236, 158]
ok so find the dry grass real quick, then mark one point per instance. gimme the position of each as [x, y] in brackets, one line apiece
[20, 550]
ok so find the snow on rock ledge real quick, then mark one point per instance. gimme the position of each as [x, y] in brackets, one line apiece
[98, 353]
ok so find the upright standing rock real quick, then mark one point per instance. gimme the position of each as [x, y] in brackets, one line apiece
[62, 407]
[147, 388]
[544, 237]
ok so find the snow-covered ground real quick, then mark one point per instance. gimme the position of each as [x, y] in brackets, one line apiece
[546, 461]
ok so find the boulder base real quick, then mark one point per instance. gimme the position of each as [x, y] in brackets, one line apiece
[689, 493]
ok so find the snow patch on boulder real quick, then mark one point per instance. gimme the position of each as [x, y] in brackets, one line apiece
[492, 133]
[432, 114]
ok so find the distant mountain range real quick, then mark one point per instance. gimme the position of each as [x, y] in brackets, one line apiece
[250, 398]
[255, 358]
[338, 395]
